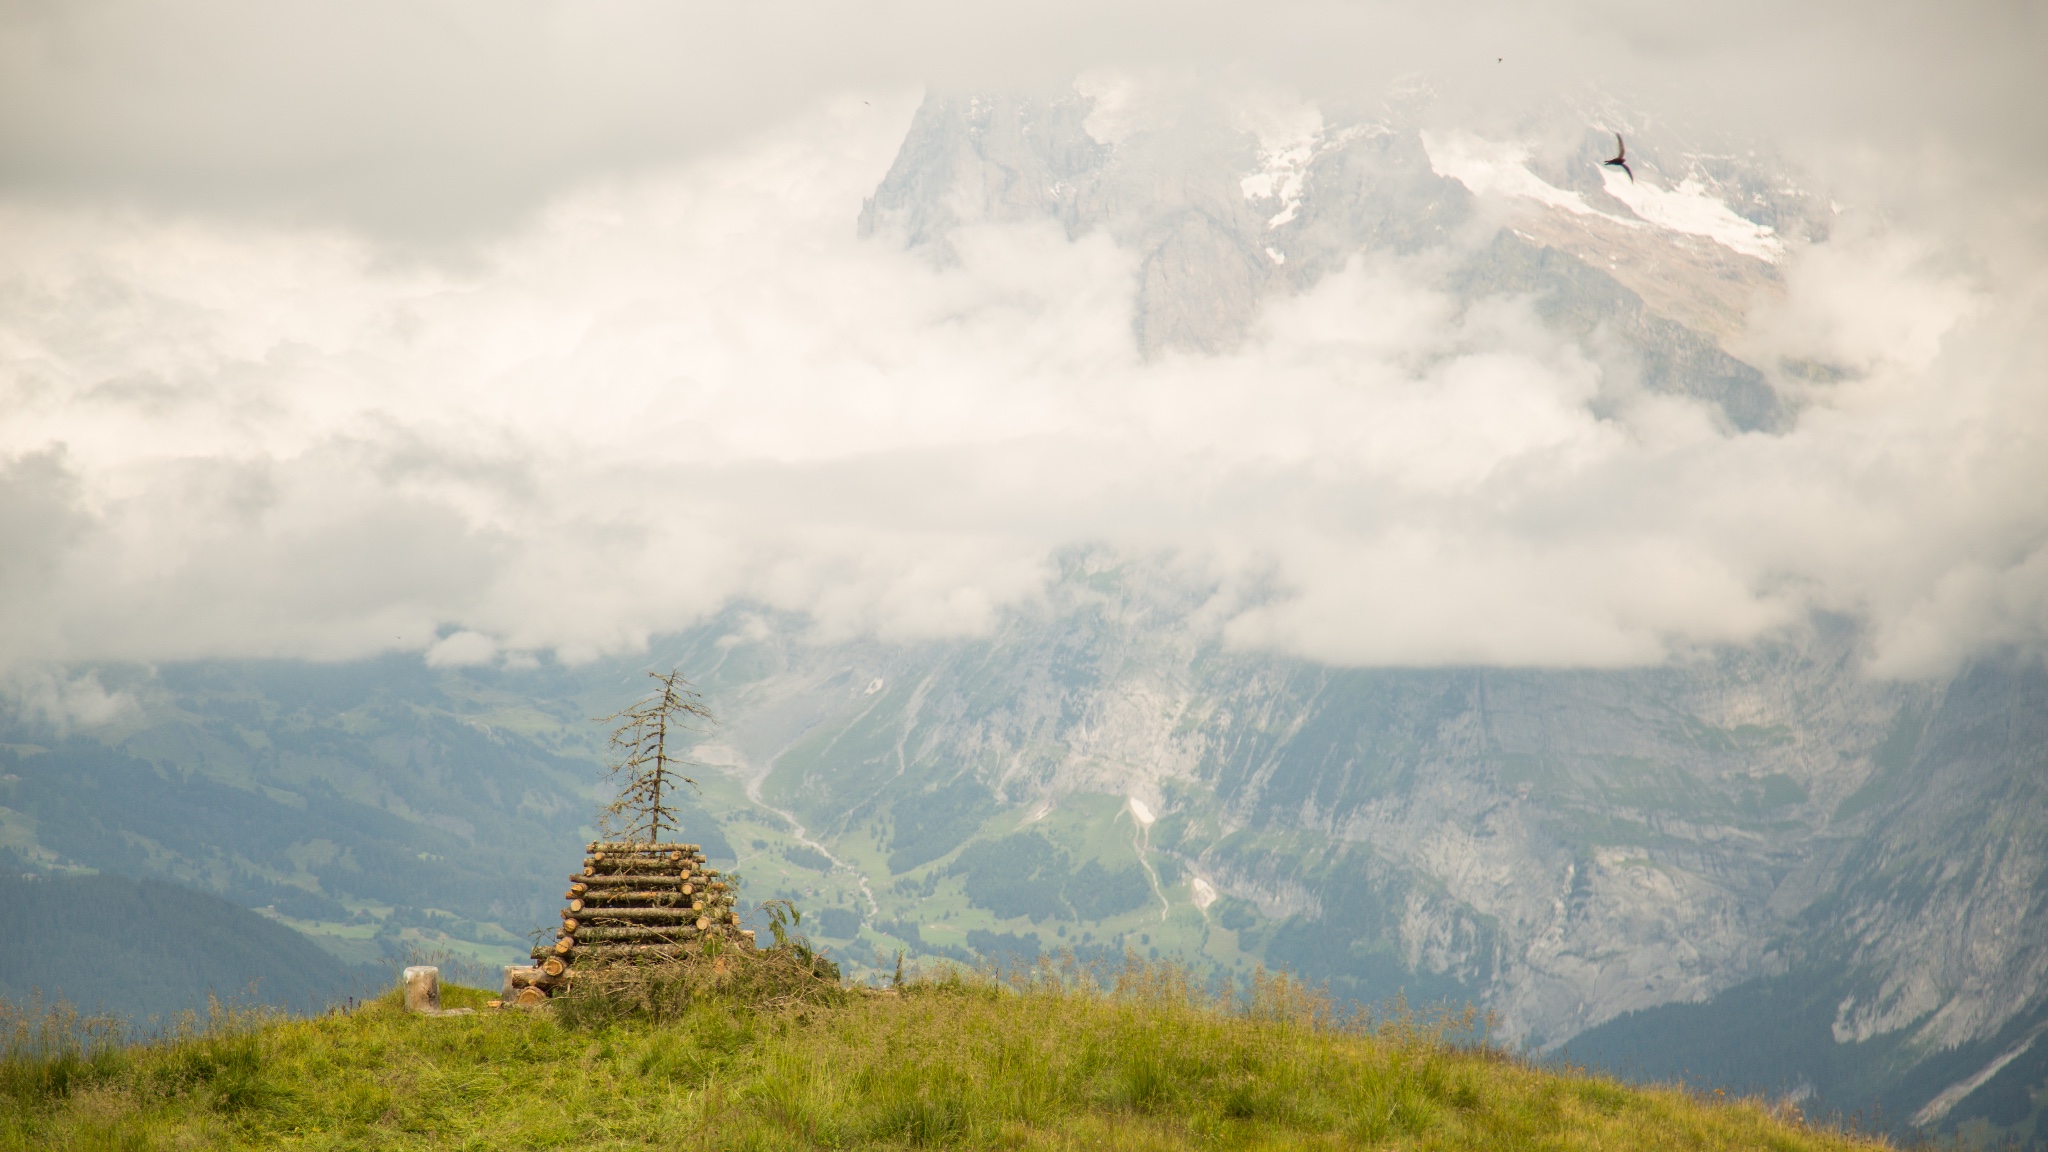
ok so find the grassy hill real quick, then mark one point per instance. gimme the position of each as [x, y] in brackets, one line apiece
[1144, 1061]
[142, 947]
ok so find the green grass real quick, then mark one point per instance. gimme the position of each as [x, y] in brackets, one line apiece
[1053, 1059]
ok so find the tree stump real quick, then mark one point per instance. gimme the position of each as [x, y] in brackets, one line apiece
[422, 984]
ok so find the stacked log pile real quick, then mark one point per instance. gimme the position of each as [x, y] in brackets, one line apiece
[634, 901]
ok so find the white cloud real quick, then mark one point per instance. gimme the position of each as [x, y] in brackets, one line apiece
[461, 649]
[669, 390]
[64, 702]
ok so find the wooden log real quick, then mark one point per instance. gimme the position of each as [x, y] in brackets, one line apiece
[602, 953]
[530, 997]
[656, 906]
[642, 854]
[638, 846]
[631, 863]
[592, 883]
[518, 976]
[552, 967]
[634, 915]
[583, 927]
[635, 918]
[635, 933]
[584, 909]
[628, 897]
[587, 931]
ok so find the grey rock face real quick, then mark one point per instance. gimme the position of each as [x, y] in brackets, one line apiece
[1942, 904]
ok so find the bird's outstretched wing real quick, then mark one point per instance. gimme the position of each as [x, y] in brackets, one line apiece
[1620, 158]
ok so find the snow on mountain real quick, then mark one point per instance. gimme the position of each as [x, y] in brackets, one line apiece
[1490, 169]
[1690, 209]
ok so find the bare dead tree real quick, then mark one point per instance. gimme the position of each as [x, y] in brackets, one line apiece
[647, 771]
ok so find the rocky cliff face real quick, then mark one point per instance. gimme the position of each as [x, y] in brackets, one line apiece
[1565, 846]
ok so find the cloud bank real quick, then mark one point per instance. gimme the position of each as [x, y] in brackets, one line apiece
[260, 402]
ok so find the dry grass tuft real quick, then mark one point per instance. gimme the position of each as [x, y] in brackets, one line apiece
[770, 980]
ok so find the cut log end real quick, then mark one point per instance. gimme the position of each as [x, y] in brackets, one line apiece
[422, 984]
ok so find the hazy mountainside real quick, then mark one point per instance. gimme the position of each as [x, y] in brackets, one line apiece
[142, 948]
[1759, 866]
[1768, 832]
[381, 806]
[1562, 847]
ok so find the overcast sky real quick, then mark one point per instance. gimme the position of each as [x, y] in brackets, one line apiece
[327, 329]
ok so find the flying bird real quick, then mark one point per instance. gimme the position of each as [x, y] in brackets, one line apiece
[1620, 158]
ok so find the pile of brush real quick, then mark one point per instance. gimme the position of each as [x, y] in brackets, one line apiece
[634, 902]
